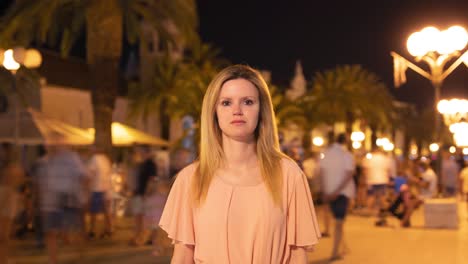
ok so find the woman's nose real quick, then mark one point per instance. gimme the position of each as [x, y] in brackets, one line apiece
[237, 110]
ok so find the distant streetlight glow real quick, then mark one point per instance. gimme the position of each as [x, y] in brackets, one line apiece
[318, 141]
[357, 145]
[461, 138]
[452, 149]
[358, 136]
[434, 147]
[455, 113]
[382, 142]
[9, 62]
[388, 146]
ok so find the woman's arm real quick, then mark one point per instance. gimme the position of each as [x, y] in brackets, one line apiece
[183, 254]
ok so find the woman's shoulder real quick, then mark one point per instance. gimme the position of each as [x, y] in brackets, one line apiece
[289, 166]
[186, 174]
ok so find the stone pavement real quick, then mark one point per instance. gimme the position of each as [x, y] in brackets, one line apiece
[394, 245]
[366, 243]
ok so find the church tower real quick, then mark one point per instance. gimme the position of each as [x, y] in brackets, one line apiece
[298, 84]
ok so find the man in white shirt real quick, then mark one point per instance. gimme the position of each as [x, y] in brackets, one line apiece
[377, 170]
[100, 184]
[429, 182]
[336, 169]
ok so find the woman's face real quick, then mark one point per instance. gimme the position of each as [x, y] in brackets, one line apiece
[238, 109]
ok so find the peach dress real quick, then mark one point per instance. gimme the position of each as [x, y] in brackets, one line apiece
[240, 223]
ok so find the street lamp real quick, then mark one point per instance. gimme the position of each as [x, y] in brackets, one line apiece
[455, 113]
[435, 48]
[12, 60]
[357, 137]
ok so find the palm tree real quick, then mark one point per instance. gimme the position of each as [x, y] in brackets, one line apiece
[286, 111]
[346, 93]
[107, 23]
[144, 101]
[178, 84]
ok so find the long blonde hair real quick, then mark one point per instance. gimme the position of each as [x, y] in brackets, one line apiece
[211, 150]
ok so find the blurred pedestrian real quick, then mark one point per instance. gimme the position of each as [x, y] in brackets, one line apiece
[62, 199]
[337, 169]
[11, 177]
[449, 174]
[38, 187]
[145, 173]
[464, 183]
[155, 199]
[428, 181]
[377, 169]
[311, 168]
[100, 187]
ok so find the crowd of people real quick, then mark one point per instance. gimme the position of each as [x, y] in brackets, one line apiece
[377, 184]
[64, 193]
[243, 176]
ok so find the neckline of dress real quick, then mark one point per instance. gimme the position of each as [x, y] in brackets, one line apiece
[238, 185]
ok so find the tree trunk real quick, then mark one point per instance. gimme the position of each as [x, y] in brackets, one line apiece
[373, 136]
[406, 144]
[349, 128]
[103, 50]
[165, 120]
[104, 92]
[331, 135]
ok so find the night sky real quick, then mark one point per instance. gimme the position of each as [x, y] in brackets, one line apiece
[272, 35]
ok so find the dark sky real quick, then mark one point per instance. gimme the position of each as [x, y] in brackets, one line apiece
[273, 34]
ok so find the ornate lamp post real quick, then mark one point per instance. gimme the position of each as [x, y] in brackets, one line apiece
[436, 48]
[455, 113]
[12, 60]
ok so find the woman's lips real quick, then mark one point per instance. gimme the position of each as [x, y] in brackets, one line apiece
[237, 122]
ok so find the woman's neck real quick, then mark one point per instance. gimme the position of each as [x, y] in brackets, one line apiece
[239, 154]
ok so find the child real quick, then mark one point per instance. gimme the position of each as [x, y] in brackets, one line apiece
[155, 199]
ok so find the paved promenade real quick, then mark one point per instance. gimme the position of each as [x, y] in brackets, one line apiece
[366, 243]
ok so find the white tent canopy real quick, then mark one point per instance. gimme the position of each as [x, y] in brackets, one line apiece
[123, 135]
[34, 128]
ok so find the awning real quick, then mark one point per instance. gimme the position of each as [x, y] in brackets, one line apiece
[123, 135]
[34, 128]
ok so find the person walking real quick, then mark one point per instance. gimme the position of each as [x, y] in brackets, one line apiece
[11, 177]
[337, 169]
[145, 173]
[100, 184]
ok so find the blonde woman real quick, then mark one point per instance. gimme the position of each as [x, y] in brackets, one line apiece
[243, 201]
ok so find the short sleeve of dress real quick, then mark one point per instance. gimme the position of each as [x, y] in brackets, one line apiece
[303, 229]
[177, 216]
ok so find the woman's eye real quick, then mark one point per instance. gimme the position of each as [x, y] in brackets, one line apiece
[225, 103]
[248, 102]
